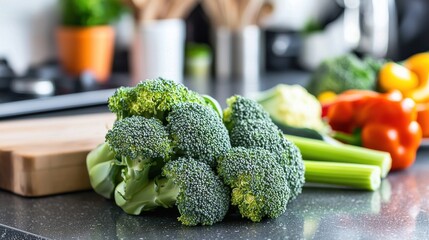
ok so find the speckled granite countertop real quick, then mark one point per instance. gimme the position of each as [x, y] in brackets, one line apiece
[399, 210]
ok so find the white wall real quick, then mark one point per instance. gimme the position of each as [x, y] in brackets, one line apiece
[294, 14]
[27, 31]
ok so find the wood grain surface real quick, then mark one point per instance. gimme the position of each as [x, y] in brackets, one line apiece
[47, 156]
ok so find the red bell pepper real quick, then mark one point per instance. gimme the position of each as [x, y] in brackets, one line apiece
[385, 122]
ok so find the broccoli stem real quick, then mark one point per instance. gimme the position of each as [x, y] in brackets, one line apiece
[158, 192]
[104, 177]
[320, 151]
[359, 176]
[104, 173]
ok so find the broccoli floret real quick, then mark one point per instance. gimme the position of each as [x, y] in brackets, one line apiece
[197, 131]
[259, 185]
[139, 138]
[241, 108]
[266, 135]
[343, 73]
[199, 194]
[203, 198]
[151, 98]
[104, 172]
[142, 145]
[122, 102]
[256, 129]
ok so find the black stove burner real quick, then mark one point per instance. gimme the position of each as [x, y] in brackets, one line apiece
[44, 87]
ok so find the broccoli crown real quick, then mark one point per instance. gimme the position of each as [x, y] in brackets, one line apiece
[265, 134]
[122, 101]
[290, 158]
[259, 185]
[203, 198]
[139, 138]
[343, 73]
[151, 98]
[142, 144]
[241, 108]
[255, 133]
[197, 131]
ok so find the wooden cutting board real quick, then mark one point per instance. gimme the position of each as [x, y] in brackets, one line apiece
[47, 156]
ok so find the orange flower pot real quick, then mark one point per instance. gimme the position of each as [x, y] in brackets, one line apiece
[83, 49]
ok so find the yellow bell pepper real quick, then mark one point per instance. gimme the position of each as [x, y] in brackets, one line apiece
[393, 76]
[419, 64]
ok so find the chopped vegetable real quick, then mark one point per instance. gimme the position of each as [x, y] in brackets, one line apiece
[320, 151]
[384, 122]
[343, 174]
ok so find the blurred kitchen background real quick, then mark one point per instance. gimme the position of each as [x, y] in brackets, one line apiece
[48, 50]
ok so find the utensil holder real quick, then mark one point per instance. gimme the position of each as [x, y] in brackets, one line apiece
[158, 50]
[238, 53]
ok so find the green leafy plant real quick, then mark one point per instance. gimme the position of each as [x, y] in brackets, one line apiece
[83, 13]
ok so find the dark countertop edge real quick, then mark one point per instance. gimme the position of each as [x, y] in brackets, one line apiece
[19, 232]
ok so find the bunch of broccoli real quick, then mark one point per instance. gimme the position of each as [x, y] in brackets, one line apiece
[174, 147]
[343, 73]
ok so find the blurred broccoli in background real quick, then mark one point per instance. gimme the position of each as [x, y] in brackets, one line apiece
[344, 73]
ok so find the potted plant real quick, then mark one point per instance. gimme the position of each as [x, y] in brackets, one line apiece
[85, 40]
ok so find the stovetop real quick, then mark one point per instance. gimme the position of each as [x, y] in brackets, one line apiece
[44, 87]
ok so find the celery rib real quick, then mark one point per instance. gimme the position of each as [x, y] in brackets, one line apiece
[343, 174]
[317, 150]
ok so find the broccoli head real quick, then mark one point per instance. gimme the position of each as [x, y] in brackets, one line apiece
[265, 134]
[241, 108]
[151, 98]
[142, 145]
[344, 73]
[139, 138]
[259, 185]
[203, 198]
[197, 131]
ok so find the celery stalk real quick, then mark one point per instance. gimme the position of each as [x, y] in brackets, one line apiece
[343, 174]
[317, 150]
